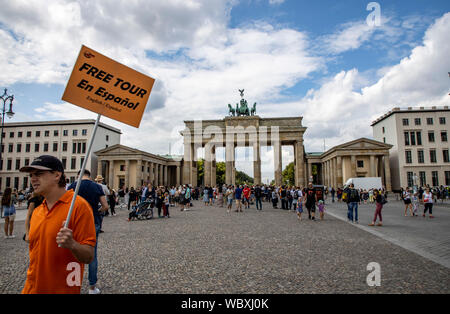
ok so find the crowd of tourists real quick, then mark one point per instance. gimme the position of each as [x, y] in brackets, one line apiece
[49, 202]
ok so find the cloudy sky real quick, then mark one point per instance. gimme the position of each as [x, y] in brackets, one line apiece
[332, 62]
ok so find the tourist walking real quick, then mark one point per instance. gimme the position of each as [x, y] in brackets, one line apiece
[274, 198]
[112, 200]
[353, 198]
[258, 196]
[321, 207]
[428, 203]
[35, 200]
[311, 199]
[132, 198]
[407, 200]
[246, 192]
[238, 197]
[9, 212]
[379, 200]
[229, 196]
[48, 263]
[206, 195]
[93, 193]
[299, 207]
[220, 196]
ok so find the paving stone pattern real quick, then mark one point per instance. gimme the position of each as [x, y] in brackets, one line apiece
[207, 250]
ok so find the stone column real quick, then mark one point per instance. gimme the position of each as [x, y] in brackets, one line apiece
[229, 157]
[156, 166]
[111, 174]
[299, 163]
[325, 182]
[334, 172]
[178, 176]
[99, 166]
[194, 165]
[339, 182]
[372, 166]
[138, 173]
[213, 166]
[166, 178]
[187, 161]
[387, 172]
[207, 166]
[127, 174]
[152, 175]
[353, 165]
[277, 161]
[256, 162]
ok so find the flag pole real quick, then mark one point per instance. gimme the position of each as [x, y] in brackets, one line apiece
[83, 167]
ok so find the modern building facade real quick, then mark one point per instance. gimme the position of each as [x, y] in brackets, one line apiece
[66, 140]
[420, 145]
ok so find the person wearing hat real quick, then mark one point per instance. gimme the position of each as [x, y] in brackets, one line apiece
[57, 254]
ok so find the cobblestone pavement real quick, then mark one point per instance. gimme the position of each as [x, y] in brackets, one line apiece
[427, 237]
[207, 250]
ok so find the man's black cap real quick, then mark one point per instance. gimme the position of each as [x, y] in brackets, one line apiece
[44, 162]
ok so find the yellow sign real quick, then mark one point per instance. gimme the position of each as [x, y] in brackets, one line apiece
[104, 86]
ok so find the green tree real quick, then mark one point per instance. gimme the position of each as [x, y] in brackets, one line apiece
[200, 171]
[243, 178]
[288, 174]
[220, 172]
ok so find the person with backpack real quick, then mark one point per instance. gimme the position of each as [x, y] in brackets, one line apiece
[379, 202]
[311, 200]
[353, 199]
[258, 196]
[407, 201]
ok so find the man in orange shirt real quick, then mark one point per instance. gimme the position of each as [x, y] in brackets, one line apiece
[57, 254]
[246, 193]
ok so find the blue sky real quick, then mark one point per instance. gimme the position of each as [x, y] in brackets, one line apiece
[316, 59]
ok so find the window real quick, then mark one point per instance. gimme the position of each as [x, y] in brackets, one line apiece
[17, 163]
[25, 183]
[55, 133]
[444, 136]
[8, 182]
[410, 175]
[36, 147]
[413, 138]
[447, 177]
[74, 148]
[408, 157]
[65, 132]
[360, 163]
[432, 155]
[431, 137]
[430, 121]
[28, 133]
[55, 147]
[27, 161]
[27, 147]
[45, 147]
[74, 132]
[422, 178]
[417, 121]
[122, 167]
[419, 137]
[38, 133]
[3, 135]
[383, 130]
[79, 147]
[434, 178]
[445, 155]
[47, 133]
[19, 148]
[406, 138]
[64, 147]
[107, 137]
[81, 162]
[16, 182]
[84, 148]
[1, 164]
[84, 132]
[9, 164]
[10, 148]
[420, 157]
[64, 162]
[19, 134]
[405, 122]
[442, 120]
[73, 163]
[384, 140]
[11, 134]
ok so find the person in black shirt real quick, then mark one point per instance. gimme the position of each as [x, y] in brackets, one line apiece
[34, 201]
[258, 195]
[311, 199]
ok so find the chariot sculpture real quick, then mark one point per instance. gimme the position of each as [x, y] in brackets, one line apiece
[242, 108]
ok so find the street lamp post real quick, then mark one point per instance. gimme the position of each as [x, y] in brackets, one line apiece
[5, 98]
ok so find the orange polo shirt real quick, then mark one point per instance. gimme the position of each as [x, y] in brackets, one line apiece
[49, 270]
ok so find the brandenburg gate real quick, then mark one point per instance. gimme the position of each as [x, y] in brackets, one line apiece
[243, 128]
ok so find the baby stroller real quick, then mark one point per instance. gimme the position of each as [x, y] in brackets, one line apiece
[143, 211]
